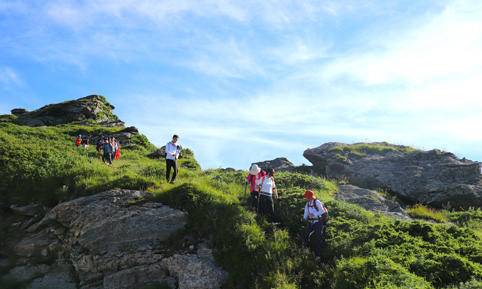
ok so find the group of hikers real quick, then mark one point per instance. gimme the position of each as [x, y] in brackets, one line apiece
[261, 184]
[108, 148]
[263, 192]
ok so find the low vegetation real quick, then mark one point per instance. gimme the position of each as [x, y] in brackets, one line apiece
[362, 249]
[364, 149]
[420, 211]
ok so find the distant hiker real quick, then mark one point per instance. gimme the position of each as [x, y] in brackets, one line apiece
[172, 154]
[115, 147]
[267, 191]
[251, 179]
[107, 152]
[316, 214]
[85, 142]
[117, 154]
[78, 141]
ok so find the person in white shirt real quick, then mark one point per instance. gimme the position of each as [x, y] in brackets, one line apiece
[267, 190]
[172, 154]
[316, 214]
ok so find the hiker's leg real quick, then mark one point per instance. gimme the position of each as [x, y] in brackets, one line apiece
[318, 226]
[309, 228]
[168, 170]
[262, 205]
[174, 174]
[271, 209]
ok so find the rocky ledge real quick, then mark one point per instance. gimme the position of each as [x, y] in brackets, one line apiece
[116, 239]
[371, 200]
[432, 177]
[90, 109]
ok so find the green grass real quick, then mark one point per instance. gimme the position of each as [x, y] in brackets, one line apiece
[42, 164]
[364, 149]
[420, 211]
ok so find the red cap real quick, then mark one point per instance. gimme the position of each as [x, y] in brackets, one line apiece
[310, 195]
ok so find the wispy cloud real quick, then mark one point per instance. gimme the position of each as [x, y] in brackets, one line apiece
[8, 77]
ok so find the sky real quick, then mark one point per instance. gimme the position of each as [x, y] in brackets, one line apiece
[245, 81]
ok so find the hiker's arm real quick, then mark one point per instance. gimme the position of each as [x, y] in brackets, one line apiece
[305, 215]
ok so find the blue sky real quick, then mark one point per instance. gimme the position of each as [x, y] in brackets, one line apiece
[243, 81]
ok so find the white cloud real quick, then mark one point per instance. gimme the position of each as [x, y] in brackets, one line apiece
[8, 77]
[445, 47]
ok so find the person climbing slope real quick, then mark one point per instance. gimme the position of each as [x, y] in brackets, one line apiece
[267, 191]
[316, 214]
[253, 176]
[172, 154]
[107, 150]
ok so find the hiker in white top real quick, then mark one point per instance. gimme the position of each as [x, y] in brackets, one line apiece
[172, 154]
[316, 214]
[267, 190]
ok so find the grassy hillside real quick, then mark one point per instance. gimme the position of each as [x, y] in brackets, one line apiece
[42, 164]
[363, 249]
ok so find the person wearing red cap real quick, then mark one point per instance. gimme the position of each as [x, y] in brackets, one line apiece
[316, 214]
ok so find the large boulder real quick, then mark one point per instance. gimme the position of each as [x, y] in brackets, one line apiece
[432, 177]
[278, 164]
[89, 109]
[116, 239]
[370, 200]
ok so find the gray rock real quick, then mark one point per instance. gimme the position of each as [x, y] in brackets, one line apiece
[27, 272]
[112, 240]
[60, 278]
[432, 177]
[370, 200]
[41, 244]
[18, 111]
[116, 220]
[278, 164]
[30, 210]
[139, 276]
[89, 109]
[195, 272]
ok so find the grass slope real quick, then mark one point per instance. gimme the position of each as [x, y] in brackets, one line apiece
[363, 249]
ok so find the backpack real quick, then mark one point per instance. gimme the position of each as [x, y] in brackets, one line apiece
[318, 209]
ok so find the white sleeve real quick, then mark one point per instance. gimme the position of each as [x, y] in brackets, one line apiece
[305, 216]
[321, 206]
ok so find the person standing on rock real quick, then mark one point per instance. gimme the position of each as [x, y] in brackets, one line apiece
[267, 191]
[107, 149]
[316, 214]
[252, 178]
[172, 154]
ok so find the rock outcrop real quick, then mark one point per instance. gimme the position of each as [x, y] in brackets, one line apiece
[90, 109]
[278, 164]
[370, 200]
[114, 240]
[432, 177]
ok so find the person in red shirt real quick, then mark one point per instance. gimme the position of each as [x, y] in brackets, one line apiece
[251, 179]
[78, 141]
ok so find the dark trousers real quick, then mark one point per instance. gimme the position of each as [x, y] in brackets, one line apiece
[171, 164]
[266, 206]
[253, 200]
[107, 157]
[315, 242]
